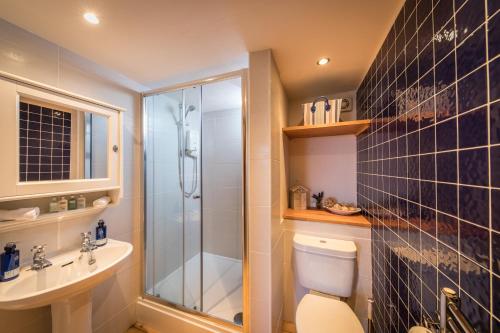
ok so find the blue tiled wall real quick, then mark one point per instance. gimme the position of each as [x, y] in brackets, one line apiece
[429, 167]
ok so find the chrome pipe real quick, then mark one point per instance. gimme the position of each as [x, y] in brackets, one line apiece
[460, 319]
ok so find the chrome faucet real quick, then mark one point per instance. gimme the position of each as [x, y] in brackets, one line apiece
[39, 260]
[88, 247]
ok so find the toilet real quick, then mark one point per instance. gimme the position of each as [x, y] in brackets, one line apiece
[326, 267]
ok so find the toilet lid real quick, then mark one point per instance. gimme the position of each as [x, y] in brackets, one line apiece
[318, 314]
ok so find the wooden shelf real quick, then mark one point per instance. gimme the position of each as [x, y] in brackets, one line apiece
[49, 218]
[324, 216]
[355, 127]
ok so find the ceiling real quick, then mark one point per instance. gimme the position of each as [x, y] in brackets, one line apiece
[153, 41]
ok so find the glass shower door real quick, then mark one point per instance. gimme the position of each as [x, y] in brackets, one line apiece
[173, 230]
[194, 216]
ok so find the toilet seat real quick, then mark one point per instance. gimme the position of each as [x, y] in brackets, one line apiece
[318, 314]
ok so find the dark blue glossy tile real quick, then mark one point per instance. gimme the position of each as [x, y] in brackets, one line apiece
[413, 120]
[446, 103]
[446, 167]
[443, 12]
[427, 167]
[411, 78]
[495, 210]
[428, 194]
[427, 140]
[427, 113]
[472, 90]
[447, 230]
[411, 50]
[471, 53]
[446, 135]
[426, 59]
[444, 41]
[474, 243]
[495, 282]
[495, 166]
[468, 18]
[448, 262]
[447, 198]
[411, 25]
[413, 167]
[472, 129]
[425, 33]
[445, 72]
[426, 86]
[494, 36]
[493, 6]
[495, 122]
[474, 205]
[423, 10]
[477, 315]
[494, 79]
[473, 165]
[413, 143]
[413, 190]
[495, 250]
[475, 280]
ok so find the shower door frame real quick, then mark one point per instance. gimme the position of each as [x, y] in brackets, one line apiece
[243, 75]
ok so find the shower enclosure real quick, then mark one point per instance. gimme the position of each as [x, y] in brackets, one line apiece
[194, 195]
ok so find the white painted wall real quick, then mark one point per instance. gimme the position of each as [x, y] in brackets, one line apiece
[27, 55]
[324, 164]
[363, 280]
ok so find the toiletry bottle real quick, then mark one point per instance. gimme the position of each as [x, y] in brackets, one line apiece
[72, 203]
[100, 234]
[54, 205]
[81, 202]
[63, 204]
[9, 263]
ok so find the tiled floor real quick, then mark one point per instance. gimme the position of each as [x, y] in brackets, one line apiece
[222, 286]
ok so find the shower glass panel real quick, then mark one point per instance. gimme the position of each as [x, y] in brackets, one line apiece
[194, 198]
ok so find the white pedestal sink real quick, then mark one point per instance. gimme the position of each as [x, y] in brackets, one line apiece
[66, 286]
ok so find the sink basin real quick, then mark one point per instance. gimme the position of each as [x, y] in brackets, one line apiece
[66, 285]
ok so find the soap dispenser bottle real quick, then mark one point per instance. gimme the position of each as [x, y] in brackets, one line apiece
[9, 263]
[101, 233]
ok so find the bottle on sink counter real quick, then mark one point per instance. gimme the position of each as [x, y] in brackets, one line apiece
[101, 233]
[9, 263]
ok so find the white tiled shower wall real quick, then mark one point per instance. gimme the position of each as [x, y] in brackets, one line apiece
[29, 56]
[266, 188]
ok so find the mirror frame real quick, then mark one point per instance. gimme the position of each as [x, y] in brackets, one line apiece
[12, 188]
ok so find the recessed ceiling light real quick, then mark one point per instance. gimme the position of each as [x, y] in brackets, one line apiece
[91, 18]
[323, 61]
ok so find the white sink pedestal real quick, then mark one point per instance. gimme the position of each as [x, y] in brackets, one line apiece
[73, 314]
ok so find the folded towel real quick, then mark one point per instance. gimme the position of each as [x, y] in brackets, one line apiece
[101, 202]
[20, 214]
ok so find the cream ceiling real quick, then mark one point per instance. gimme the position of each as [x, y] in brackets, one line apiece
[151, 41]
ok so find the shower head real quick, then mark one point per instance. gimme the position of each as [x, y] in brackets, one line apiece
[190, 108]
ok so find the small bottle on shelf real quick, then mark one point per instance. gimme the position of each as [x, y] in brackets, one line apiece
[72, 203]
[63, 204]
[81, 202]
[54, 205]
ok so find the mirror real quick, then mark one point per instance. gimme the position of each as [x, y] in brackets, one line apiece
[57, 143]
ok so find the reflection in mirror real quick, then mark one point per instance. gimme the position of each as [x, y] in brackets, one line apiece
[56, 143]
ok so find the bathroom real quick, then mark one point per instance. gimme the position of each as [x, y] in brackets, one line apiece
[160, 158]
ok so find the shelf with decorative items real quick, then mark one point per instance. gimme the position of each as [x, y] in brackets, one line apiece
[318, 215]
[354, 127]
